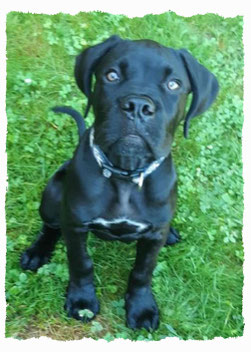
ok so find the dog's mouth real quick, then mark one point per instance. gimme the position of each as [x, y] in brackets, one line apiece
[130, 152]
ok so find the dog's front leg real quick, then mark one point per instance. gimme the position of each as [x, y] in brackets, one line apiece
[81, 293]
[141, 308]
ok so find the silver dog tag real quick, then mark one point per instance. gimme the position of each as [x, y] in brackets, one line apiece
[107, 173]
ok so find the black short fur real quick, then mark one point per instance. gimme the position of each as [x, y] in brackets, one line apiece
[138, 100]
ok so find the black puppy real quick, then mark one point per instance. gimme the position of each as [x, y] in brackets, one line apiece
[121, 182]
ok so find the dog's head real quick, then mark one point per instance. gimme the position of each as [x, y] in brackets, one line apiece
[139, 96]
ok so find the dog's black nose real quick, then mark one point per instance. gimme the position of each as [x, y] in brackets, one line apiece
[137, 106]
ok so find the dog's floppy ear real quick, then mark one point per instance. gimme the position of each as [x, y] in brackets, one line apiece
[87, 61]
[204, 87]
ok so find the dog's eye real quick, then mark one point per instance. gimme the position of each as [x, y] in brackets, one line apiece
[173, 85]
[112, 76]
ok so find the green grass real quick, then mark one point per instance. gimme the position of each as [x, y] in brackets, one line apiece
[198, 283]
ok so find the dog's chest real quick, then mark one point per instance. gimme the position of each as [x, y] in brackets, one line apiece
[123, 195]
[121, 215]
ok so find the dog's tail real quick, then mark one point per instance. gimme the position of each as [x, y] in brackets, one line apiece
[73, 113]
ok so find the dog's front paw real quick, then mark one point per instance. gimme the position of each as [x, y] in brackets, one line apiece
[82, 303]
[142, 310]
[33, 258]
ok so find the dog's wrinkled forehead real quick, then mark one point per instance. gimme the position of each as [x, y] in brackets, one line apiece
[143, 57]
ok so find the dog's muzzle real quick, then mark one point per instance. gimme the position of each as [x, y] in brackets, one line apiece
[130, 152]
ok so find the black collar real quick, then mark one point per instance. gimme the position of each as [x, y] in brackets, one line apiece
[136, 176]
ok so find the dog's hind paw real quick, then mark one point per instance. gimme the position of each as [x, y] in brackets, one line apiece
[173, 237]
[32, 259]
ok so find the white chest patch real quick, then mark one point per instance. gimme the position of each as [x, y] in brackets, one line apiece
[120, 224]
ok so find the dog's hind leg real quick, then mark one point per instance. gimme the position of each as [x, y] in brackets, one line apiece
[40, 252]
